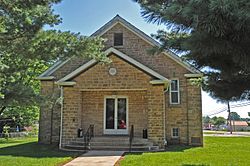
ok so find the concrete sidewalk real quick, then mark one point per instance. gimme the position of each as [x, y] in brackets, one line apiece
[96, 158]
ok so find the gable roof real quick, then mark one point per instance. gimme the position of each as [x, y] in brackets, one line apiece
[120, 55]
[118, 19]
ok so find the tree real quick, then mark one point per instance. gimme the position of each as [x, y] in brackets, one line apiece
[235, 116]
[26, 50]
[213, 34]
[206, 119]
[217, 121]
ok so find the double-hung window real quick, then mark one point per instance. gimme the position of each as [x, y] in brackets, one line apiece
[175, 132]
[174, 92]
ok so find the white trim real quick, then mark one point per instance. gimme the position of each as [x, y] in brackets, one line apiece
[54, 67]
[178, 60]
[193, 75]
[61, 128]
[170, 91]
[164, 120]
[119, 54]
[158, 82]
[78, 70]
[117, 19]
[65, 83]
[45, 78]
[115, 131]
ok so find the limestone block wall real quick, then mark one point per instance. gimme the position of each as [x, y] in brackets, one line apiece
[156, 114]
[70, 116]
[186, 116]
[93, 110]
[49, 120]
[194, 114]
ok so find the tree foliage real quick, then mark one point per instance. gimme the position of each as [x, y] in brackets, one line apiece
[235, 116]
[26, 49]
[217, 121]
[214, 34]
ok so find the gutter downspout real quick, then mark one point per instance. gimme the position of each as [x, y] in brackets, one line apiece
[60, 141]
[187, 112]
[164, 120]
[164, 114]
[52, 114]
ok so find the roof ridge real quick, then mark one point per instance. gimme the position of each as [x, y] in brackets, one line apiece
[137, 31]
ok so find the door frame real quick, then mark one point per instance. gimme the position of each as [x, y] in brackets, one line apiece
[115, 131]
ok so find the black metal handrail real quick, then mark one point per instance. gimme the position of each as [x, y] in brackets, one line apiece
[88, 135]
[131, 137]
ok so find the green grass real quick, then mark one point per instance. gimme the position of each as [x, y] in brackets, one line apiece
[217, 151]
[214, 132]
[27, 152]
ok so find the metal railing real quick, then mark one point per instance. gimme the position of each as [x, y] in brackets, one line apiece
[131, 137]
[88, 135]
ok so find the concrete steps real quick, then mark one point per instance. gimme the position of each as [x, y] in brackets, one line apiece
[112, 143]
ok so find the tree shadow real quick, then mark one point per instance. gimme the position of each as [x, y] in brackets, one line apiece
[35, 150]
[169, 148]
[178, 148]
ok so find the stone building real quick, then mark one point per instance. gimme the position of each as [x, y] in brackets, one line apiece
[151, 92]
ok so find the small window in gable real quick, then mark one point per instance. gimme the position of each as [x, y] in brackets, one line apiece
[175, 132]
[174, 92]
[118, 39]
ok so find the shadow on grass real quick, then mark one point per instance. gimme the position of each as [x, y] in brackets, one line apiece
[169, 148]
[178, 148]
[35, 150]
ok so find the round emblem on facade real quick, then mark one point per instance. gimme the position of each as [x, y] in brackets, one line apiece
[112, 71]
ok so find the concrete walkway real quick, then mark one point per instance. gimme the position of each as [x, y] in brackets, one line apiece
[96, 158]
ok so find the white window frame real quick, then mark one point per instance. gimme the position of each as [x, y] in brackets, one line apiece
[178, 91]
[172, 132]
[115, 131]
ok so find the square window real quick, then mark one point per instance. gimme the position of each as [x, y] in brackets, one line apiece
[118, 39]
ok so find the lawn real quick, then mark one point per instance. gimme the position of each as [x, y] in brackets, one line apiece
[217, 151]
[27, 152]
[214, 132]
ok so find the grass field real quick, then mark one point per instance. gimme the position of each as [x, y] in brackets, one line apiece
[27, 152]
[217, 151]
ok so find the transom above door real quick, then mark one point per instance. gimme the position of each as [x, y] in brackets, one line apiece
[116, 115]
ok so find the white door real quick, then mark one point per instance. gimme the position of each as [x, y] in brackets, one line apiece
[116, 115]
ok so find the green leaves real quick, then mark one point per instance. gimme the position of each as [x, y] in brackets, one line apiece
[26, 50]
[214, 34]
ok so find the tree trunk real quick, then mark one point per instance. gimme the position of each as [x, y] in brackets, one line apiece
[229, 118]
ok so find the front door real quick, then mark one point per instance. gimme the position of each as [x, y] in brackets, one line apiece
[116, 115]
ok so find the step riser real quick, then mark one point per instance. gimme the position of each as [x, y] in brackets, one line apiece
[108, 148]
[110, 144]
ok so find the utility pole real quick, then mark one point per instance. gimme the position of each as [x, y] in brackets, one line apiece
[229, 117]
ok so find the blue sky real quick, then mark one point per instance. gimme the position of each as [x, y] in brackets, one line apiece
[86, 16]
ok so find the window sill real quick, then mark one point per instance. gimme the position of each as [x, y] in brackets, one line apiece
[119, 46]
[174, 105]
